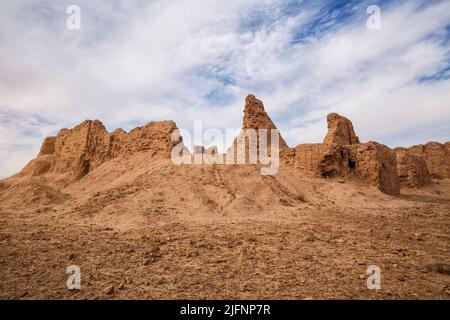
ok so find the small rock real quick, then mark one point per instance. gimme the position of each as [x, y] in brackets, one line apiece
[340, 180]
[447, 291]
[424, 270]
[121, 285]
[308, 257]
[285, 203]
[245, 287]
[154, 248]
[147, 261]
[439, 268]
[221, 260]
[109, 290]
[72, 256]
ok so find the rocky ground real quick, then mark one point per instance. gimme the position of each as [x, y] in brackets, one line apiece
[134, 245]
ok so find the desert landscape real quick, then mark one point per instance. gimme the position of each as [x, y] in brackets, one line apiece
[140, 227]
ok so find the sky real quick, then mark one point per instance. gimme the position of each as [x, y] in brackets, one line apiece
[138, 61]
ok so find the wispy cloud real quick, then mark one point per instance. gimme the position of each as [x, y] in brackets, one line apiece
[137, 61]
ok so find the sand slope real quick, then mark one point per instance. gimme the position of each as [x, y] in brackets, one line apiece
[152, 229]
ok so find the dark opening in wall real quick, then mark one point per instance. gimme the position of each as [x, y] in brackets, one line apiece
[330, 173]
[351, 164]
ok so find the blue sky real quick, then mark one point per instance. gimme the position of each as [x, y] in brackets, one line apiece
[137, 61]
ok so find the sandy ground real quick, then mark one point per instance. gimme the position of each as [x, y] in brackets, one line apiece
[161, 232]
